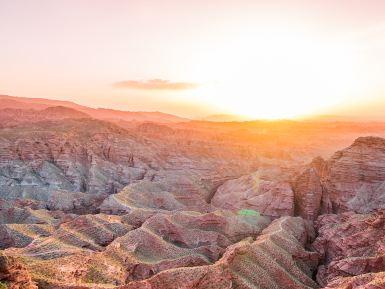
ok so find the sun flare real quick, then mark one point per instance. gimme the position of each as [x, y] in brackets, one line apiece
[276, 74]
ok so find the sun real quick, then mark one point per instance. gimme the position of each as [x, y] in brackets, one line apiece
[276, 74]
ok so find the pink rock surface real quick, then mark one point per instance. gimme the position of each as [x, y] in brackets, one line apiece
[269, 197]
[311, 198]
[350, 245]
[353, 179]
[365, 281]
[276, 259]
[15, 274]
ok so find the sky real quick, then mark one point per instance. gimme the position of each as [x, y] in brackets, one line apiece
[260, 59]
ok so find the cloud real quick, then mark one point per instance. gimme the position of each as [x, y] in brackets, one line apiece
[155, 84]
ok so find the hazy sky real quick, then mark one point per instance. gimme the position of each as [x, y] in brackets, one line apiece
[257, 58]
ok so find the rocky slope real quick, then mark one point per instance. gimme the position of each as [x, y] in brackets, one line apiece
[106, 249]
[14, 275]
[276, 259]
[353, 179]
[352, 250]
[72, 165]
[258, 191]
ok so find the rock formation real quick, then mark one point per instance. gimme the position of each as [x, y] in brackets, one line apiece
[256, 191]
[311, 198]
[87, 202]
[365, 281]
[72, 165]
[353, 179]
[154, 196]
[13, 274]
[350, 245]
[107, 250]
[276, 259]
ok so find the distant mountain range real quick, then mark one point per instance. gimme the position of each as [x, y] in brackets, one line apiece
[39, 104]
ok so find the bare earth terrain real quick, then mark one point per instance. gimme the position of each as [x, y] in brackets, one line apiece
[97, 198]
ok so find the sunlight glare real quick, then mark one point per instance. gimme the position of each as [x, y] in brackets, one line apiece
[276, 74]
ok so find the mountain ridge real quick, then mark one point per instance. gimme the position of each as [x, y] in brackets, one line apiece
[7, 101]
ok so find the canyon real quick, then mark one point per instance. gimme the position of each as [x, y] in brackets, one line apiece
[96, 198]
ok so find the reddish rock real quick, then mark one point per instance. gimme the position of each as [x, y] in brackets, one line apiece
[41, 162]
[156, 196]
[180, 239]
[267, 196]
[276, 259]
[6, 240]
[350, 245]
[365, 281]
[311, 199]
[14, 274]
[99, 248]
[91, 231]
[353, 179]
[21, 235]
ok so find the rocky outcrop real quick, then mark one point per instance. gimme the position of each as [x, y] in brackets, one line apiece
[78, 203]
[10, 214]
[350, 245]
[21, 235]
[91, 231]
[154, 196]
[276, 259]
[14, 275]
[182, 239]
[365, 281]
[267, 196]
[353, 179]
[311, 198]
